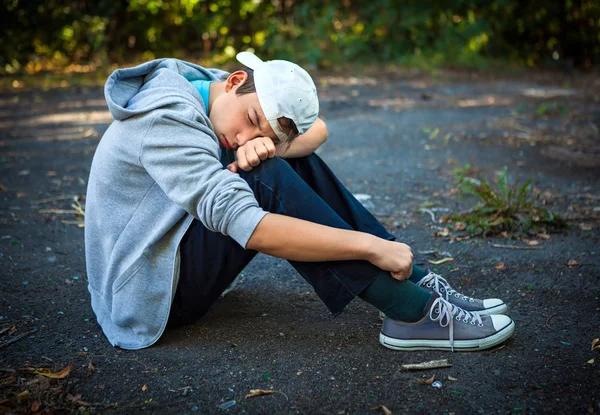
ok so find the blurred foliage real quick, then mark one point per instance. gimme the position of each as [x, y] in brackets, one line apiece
[49, 34]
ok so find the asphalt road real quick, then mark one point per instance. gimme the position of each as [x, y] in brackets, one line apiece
[271, 331]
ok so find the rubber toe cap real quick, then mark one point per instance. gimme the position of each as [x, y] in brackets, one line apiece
[492, 302]
[500, 321]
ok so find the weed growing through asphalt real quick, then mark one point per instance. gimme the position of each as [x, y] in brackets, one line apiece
[503, 207]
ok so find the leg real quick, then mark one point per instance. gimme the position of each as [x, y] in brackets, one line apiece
[416, 318]
[315, 172]
[279, 189]
[210, 261]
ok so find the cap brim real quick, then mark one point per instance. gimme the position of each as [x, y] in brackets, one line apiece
[249, 59]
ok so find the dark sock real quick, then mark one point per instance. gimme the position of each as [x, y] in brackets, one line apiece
[399, 300]
[417, 274]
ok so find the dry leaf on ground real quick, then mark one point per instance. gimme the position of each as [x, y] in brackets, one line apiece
[500, 266]
[533, 242]
[91, 368]
[383, 409]
[144, 388]
[460, 226]
[596, 344]
[543, 236]
[572, 263]
[23, 396]
[8, 380]
[452, 378]
[259, 392]
[76, 399]
[57, 375]
[427, 381]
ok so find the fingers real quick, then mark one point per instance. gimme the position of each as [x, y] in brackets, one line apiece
[405, 265]
[242, 161]
[253, 152]
[233, 167]
[271, 149]
[400, 276]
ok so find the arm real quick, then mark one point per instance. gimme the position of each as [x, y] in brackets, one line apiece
[300, 240]
[306, 143]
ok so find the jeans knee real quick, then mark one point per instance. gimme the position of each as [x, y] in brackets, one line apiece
[274, 166]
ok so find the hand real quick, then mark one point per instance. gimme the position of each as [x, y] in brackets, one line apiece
[252, 153]
[395, 257]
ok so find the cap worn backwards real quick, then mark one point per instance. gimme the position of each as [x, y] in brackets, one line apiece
[284, 89]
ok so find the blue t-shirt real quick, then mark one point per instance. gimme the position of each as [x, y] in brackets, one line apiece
[203, 88]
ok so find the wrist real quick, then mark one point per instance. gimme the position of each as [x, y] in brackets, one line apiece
[368, 247]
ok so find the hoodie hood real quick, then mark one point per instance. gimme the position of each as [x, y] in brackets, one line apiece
[151, 85]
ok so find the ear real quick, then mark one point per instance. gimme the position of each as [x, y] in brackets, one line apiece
[234, 80]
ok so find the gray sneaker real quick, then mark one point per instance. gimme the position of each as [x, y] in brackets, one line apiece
[447, 327]
[435, 283]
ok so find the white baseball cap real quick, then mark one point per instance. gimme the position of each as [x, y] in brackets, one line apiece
[284, 89]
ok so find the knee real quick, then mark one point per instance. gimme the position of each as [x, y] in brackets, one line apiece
[275, 166]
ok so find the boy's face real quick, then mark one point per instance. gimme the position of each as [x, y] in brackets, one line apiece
[238, 119]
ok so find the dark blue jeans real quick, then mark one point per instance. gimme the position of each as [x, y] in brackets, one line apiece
[303, 188]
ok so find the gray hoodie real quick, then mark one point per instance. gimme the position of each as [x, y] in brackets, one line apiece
[155, 169]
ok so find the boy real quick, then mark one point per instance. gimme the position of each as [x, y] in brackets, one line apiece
[171, 220]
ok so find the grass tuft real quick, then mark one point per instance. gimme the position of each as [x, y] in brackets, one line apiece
[503, 207]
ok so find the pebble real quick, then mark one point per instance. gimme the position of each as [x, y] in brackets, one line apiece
[227, 405]
[195, 408]
[52, 259]
[437, 384]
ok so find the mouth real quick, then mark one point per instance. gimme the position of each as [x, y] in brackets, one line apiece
[225, 143]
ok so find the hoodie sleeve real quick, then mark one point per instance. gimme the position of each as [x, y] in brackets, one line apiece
[182, 156]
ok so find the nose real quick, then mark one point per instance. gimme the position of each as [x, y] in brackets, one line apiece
[243, 137]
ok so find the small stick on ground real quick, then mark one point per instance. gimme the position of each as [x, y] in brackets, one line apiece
[433, 364]
[19, 337]
[59, 211]
[516, 247]
[430, 213]
[550, 318]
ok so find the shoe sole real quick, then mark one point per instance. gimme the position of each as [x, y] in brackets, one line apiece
[459, 345]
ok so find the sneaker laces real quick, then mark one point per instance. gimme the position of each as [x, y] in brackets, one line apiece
[441, 286]
[445, 312]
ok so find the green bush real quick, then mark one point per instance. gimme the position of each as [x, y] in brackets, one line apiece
[324, 32]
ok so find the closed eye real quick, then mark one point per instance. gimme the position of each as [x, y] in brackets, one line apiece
[250, 119]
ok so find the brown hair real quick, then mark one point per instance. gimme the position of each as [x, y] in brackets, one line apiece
[286, 124]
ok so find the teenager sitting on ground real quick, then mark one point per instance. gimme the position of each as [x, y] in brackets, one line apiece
[172, 218]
